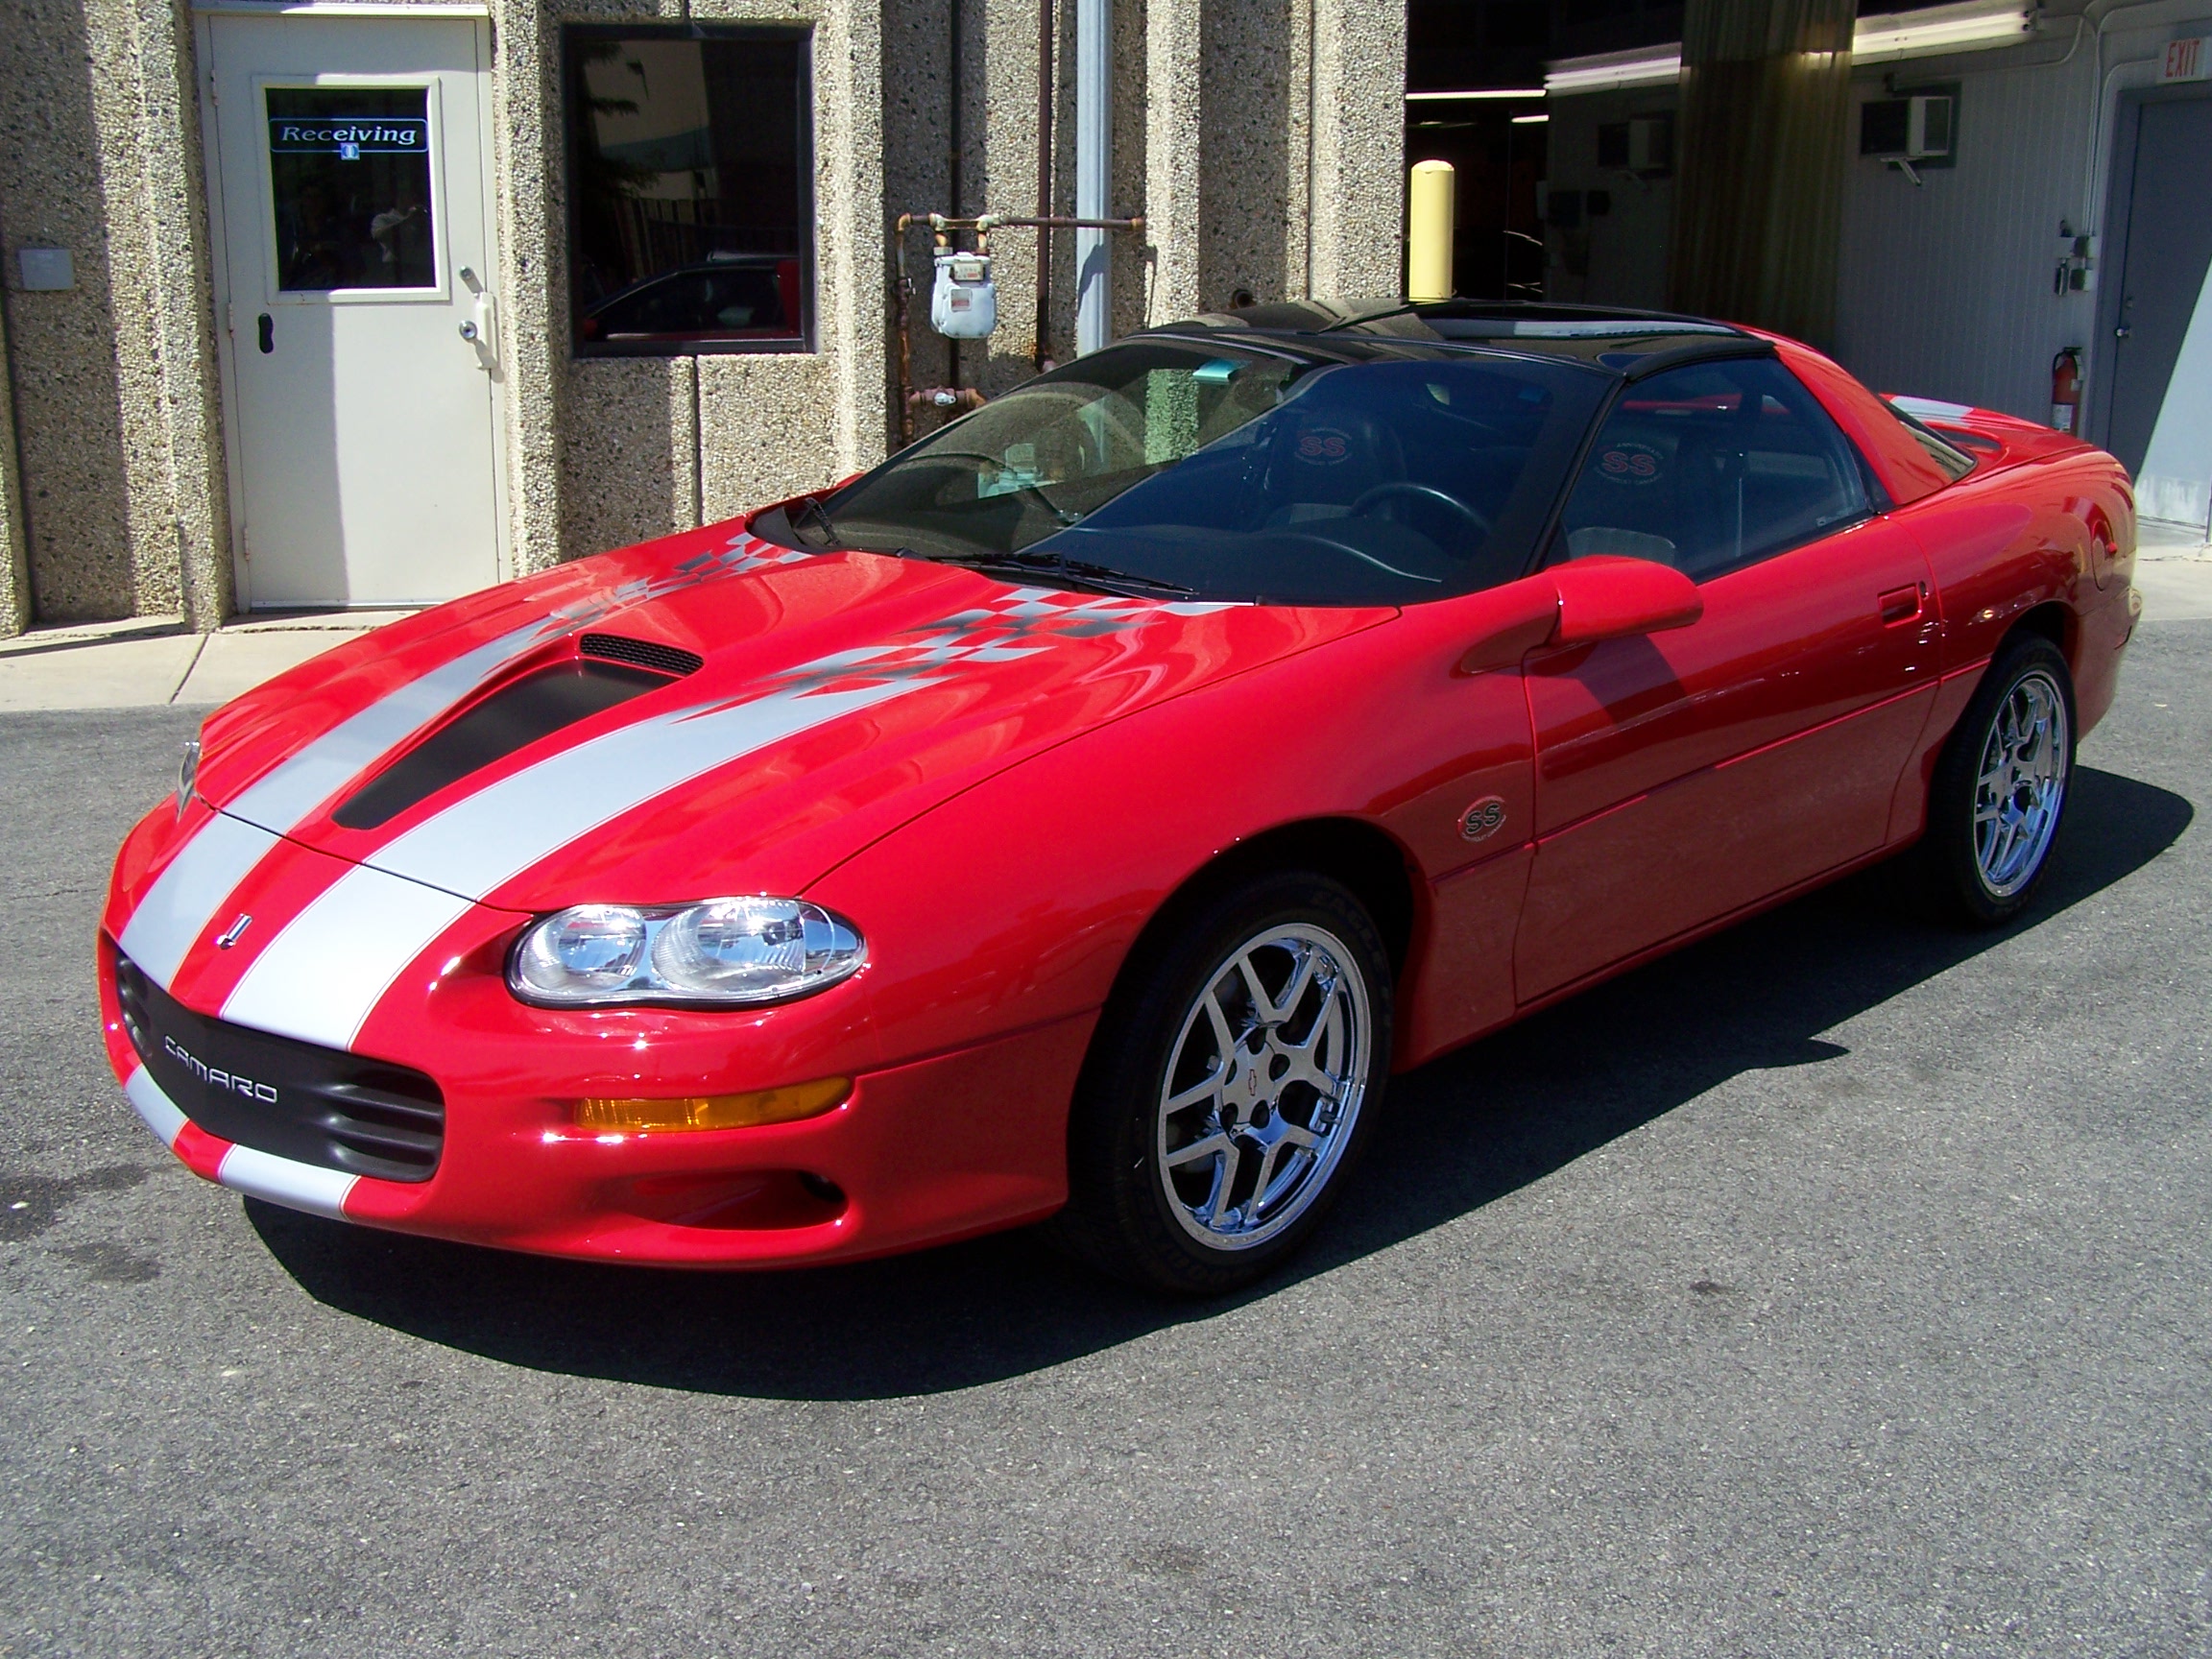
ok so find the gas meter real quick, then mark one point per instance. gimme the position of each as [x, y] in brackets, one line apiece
[964, 305]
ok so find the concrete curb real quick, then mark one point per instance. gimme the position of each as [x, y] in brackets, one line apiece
[152, 662]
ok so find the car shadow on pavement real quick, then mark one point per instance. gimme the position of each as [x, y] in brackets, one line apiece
[1459, 1134]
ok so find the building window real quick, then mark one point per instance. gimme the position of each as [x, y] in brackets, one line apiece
[691, 189]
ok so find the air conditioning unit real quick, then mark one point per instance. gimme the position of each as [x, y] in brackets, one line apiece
[1920, 127]
[1641, 144]
[1652, 146]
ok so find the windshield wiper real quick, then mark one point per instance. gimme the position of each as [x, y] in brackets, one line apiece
[819, 533]
[1082, 570]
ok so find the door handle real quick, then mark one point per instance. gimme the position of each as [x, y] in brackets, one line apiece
[268, 324]
[482, 331]
[1901, 604]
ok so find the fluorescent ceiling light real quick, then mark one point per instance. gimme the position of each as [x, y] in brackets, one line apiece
[1530, 120]
[1879, 37]
[1601, 72]
[1476, 92]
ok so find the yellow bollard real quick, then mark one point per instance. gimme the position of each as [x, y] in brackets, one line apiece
[1428, 232]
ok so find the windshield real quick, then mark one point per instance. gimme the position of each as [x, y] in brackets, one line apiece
[1234, 473]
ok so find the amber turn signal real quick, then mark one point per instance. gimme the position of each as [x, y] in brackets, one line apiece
[784, 1105]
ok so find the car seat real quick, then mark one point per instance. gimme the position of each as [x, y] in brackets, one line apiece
[1322, 458]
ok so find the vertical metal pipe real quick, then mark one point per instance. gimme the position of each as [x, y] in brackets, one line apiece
[1044, 353]
[955, 55]
[1093, 165]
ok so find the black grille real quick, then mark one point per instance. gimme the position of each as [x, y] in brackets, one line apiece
[642, 654]
[318, 1106]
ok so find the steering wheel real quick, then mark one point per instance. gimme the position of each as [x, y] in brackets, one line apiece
[1421, 492]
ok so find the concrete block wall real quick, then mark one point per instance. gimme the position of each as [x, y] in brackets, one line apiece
[1262, 139]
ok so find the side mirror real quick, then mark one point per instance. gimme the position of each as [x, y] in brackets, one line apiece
[1610, 597]
[1606, 597]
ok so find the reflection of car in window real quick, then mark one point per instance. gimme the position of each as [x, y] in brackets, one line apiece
[724, 297]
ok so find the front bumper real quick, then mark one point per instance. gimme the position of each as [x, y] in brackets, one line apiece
[941, 1147]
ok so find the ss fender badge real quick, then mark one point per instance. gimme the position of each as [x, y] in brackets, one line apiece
[1485, 819]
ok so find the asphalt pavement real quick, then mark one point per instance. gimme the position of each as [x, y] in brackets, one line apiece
[1843, 1286]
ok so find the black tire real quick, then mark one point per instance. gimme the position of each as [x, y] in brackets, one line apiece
[1955, 856]
[1123, 1216]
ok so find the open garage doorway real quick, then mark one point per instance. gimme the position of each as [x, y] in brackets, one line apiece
[2001, 175]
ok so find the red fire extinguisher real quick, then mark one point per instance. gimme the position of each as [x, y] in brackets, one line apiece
[2066, 389]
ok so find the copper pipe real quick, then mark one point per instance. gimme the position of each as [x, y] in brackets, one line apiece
[1002, 222]
[902, 312]
[901, 295]
[960, 398]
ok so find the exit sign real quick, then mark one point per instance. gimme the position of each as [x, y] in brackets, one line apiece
[2187, 59]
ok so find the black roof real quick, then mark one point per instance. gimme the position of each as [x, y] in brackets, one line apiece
[1610, 339]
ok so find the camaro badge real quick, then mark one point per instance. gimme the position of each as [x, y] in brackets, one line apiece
[231, 934]
[1482, 819]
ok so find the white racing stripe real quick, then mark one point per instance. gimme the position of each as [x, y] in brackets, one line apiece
[281, 1180]
[335, 960]
[320, 978]
[206, 870]
[257, 1174]
[183, 898]
[503, 828]
[152, 1104]
[283, 801]
[322, 974]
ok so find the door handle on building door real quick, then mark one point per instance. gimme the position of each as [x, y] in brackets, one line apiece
[268, 326]
[482, 333]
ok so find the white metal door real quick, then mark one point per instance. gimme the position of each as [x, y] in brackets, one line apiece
[2160, 423]
[355, 258]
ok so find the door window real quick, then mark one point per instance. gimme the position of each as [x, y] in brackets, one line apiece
[349, 179]
[1710, 467]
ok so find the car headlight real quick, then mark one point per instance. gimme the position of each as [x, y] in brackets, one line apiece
[734, 953]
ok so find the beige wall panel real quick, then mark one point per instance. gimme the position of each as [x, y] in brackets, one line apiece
[1358, 148]
[1247, 130]
[63, 344]
[1174, 156]
[156, 193]
[1136, 259]
[14, 569]
[1006, 99]
[629, 461]
[768, 429]
[850, 213]
[916, 112]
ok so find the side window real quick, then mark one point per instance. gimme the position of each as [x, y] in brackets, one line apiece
[1712, 468]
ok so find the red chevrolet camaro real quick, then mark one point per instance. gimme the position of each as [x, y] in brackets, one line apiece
[1083, 813]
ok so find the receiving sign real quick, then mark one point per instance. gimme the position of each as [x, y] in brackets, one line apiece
[348, 138]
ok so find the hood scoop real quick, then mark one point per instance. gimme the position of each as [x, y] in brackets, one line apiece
[512, 717]
[641, 654]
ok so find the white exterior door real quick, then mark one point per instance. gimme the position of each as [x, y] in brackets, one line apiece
[354, 261]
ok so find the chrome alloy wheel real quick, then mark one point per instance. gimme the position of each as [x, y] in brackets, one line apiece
[1263, 1086]
[2021, 784]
